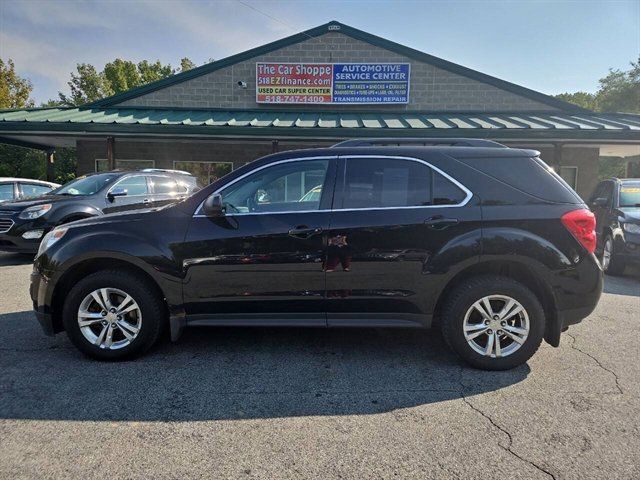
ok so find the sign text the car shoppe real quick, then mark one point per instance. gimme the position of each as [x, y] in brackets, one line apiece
[345, 83]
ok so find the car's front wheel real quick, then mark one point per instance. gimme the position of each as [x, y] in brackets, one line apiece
[493, 322]
[611, 263]
[113, 315]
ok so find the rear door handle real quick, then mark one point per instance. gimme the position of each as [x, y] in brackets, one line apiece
[146, 200]
[440, 223]
[302, 231]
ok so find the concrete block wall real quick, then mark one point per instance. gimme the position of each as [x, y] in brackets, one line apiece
[431, 88]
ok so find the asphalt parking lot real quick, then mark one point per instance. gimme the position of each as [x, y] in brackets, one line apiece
[294, 403]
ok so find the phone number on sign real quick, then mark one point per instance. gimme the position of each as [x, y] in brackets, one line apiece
[294, 99]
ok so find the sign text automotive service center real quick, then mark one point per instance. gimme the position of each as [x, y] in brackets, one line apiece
[356, 83]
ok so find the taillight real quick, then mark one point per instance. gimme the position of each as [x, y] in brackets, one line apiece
[582, 225]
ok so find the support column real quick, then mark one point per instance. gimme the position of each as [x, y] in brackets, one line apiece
[274, 146]
[111, 153]
[50, 165]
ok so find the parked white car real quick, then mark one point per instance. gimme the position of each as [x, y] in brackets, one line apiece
[18, 188]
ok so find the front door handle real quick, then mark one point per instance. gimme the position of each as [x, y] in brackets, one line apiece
[440, 223]
[302, 231]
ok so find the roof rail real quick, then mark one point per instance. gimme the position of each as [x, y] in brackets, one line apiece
[419, 142]
[165, 170]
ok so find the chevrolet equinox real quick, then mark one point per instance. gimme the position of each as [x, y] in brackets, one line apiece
[483, 241]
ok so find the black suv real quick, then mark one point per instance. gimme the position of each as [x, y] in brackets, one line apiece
[616, 204]
[24, 223]
[482, 240]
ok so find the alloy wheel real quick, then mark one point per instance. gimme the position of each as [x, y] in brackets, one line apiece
[109, 318]
[496, 326]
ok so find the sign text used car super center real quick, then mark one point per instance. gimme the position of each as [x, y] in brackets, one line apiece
[332, 83]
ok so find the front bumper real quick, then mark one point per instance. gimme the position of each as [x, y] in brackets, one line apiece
[12, 241]
[39, 292]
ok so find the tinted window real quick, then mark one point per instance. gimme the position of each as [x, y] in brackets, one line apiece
[529, 175]
[279, 188]
[386, 182]
[6, 192]
[136, 185]
[33, 190]
[630, 194]
[445, 192]
[87, 185]
[167, 186]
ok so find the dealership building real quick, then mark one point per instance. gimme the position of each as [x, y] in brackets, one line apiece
[316, 88]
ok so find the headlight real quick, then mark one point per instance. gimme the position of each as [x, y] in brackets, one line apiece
[51, 238]
[631, 227]
[35, 212]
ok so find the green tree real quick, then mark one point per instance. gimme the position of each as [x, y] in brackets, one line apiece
[88, 85]
[15, 91]
[186, 64]
[618, 91]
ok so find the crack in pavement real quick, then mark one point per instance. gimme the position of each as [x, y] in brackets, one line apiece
[509, 446]
[615, 375]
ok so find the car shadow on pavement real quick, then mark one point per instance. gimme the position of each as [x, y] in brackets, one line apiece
[234, 373]
[628, 284]
[13, 259]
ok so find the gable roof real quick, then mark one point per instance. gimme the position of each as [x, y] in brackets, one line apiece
[352, 32]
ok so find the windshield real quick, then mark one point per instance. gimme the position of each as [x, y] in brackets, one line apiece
[87, 185]
[630, 194]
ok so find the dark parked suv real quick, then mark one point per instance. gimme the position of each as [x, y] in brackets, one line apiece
[616, 204]
[483, 241]
[24, 223]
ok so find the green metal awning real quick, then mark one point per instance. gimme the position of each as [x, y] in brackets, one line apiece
[317, 124]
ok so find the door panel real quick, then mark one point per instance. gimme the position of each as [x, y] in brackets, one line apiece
[138, 195]
[262, 262]
[384, 261]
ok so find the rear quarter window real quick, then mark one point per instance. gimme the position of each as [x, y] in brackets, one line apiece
[527, 174]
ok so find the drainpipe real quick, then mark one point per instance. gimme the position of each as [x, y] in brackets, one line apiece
[274, 146]
[50, 165]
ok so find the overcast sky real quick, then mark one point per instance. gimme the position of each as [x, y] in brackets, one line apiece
[550, 46]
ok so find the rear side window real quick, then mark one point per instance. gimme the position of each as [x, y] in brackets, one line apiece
[529, 175]
[391, 182]
[167, 186]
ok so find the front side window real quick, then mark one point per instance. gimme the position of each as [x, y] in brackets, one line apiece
[32, 190]
[286, 187]
[136, 185]
[391, 182]
[6, 192]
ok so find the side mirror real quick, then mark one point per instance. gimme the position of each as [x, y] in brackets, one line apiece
[213, 206]
[601, 202]
[117, 192]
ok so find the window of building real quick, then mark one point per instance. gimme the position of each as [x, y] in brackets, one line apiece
[570, 175]
[206, 172]
[291, 186]
[102, 164]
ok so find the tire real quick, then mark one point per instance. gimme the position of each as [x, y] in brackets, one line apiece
[614, 265]
[148, 319]
[460, 303]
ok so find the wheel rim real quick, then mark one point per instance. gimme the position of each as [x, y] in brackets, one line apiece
[109, 318]
[496, 326]
[606, 254]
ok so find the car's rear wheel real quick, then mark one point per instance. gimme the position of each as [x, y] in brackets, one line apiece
[113, 315]
[493, 322]
[611, 263]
